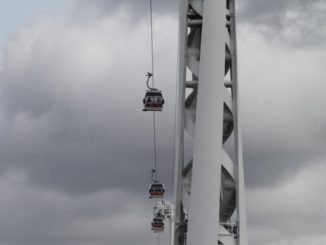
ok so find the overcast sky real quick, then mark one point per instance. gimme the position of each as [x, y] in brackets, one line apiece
[76, 149]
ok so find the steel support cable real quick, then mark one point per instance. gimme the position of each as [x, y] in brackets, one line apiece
[155, 145]
[152, 39]
[153, 86]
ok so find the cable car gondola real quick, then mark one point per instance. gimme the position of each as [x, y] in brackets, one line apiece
[156, 190]
[153, 100]
[157, 224]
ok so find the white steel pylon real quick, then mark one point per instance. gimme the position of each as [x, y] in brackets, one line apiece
[209, 185]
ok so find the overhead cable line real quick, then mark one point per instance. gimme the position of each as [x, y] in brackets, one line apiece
[153, 85]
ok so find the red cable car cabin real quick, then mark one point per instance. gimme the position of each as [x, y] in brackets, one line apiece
[153, 100]
[157, 224]
[156, 190]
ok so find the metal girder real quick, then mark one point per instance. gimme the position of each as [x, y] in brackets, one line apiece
[209, 186]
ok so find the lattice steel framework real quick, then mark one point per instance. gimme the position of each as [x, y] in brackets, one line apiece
[209, 185]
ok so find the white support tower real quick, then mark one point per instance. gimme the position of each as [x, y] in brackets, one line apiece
[209, 182]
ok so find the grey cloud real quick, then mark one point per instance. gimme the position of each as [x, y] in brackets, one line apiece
[280, 213]
[135, 9]
[294, 23]
[255, 10]
[71, 121]
[281, 93]
[75, 107]
[34, 216]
